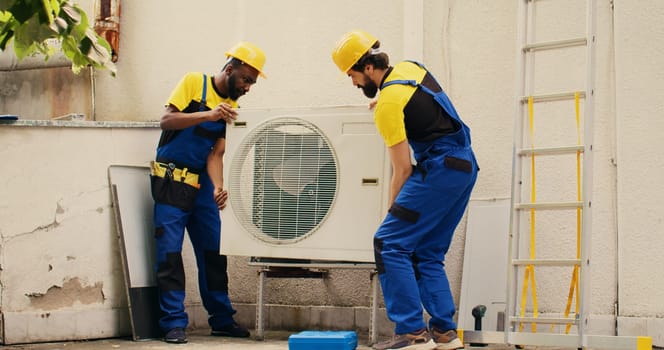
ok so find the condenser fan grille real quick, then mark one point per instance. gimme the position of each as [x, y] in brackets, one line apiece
[283, 180]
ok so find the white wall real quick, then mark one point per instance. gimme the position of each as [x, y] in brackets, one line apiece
[640, 163]
[469, 45]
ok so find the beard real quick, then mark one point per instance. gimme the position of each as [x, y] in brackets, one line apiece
[233, 92]
[370, 89]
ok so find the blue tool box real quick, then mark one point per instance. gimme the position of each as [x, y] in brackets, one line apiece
[323, 340]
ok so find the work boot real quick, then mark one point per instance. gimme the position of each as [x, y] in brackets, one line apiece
[418, 340]
[446, 340]
[176, 335]
[232, 330]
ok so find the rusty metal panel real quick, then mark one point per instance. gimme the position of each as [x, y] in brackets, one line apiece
[107, 24]
[45, 93]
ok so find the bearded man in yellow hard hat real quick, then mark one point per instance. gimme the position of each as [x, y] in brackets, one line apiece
[426, 202]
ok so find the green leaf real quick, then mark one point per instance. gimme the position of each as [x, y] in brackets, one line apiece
[7, 26]
[23, 10]
[24, 49]
[5, 38]
[59, 25]
[55, 6]
[71, 12]
[5, 16]
[29, 23]
[48, 9]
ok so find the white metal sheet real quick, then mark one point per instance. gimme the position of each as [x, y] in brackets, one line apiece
[133, 206]
[485, 263]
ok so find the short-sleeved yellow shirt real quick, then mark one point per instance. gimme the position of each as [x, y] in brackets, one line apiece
[187, 94]
[389, 114]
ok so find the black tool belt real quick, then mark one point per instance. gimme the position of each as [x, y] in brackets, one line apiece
[174, 186]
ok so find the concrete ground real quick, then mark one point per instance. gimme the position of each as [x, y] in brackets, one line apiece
[198, 340]
[201, 340]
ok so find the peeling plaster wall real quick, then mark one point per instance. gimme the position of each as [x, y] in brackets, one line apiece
[70, 293]
[55, 222]
[61, 268]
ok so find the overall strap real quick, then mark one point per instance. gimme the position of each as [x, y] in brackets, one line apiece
[409, 82]
[440, 97]
[201, 108]
[413, 82]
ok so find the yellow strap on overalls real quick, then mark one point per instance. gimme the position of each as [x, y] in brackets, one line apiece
[177, 174]
[530, 269]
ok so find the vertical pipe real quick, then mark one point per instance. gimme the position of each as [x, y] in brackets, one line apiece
[93, 112]
[614, 162]
[373, 332]
[260, 331]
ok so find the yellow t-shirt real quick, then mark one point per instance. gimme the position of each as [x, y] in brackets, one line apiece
[389, 114]
[188, 92]
[407, 112]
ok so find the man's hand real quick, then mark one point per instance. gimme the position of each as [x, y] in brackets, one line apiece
[224, 112]
[220, 197]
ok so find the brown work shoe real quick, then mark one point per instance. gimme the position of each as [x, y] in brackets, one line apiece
[418, 340]
[447, 340]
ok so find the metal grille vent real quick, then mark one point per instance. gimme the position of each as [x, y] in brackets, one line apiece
[284, 179]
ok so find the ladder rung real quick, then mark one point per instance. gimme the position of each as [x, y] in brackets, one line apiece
[554, 97]
[549, 205]
[547, 262]
[551, 150]
[557, 44]
[546, 320]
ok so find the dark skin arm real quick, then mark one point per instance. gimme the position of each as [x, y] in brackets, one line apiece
[173, 119]
[215, 168]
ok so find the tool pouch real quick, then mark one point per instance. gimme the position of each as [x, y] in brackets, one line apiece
[166, 190]
[177, 194]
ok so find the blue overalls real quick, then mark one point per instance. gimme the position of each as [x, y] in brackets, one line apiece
[411, 243]
[190, 148]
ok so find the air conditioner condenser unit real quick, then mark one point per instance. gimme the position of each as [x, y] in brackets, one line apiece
[304, 183]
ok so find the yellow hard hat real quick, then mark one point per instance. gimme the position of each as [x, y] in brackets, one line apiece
[249, 54]
[351, 47]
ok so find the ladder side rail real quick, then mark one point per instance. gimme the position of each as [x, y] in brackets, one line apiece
[587, 174]
[528, 288]
[515, 216]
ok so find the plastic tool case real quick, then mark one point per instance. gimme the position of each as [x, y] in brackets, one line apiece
[323, 340]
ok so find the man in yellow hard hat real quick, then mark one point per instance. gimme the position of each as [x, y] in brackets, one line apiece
[426, 202]
[188, 189]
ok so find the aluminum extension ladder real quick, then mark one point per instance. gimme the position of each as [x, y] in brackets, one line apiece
[540, 148]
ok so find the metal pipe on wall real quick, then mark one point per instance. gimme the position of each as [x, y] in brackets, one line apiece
[107, 24]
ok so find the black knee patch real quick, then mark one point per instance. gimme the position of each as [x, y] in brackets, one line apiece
[216, 266]
[170, 273]
[404, 213]
[378, 249]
